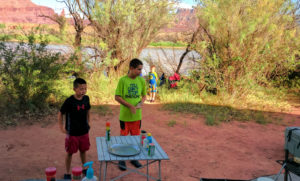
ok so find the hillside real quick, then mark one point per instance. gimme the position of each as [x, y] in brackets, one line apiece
[23, 11]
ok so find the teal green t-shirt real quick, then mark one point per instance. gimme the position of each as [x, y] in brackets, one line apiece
[132, 91]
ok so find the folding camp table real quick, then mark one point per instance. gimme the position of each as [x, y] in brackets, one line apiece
[105, 157]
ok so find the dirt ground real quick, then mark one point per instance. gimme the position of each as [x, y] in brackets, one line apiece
[235, 150]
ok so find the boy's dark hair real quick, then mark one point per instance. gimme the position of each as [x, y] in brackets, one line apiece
[78, 81]
[134, 63]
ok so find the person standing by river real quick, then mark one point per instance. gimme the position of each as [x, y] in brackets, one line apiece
[152, 83]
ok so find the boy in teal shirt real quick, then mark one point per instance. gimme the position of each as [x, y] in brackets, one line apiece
[131, 94]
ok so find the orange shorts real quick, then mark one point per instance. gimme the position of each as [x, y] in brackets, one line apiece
[134, 128]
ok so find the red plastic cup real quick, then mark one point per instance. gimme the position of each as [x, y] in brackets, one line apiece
[50, 173]
[76, 173]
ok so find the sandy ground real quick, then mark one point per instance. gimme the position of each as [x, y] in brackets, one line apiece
[236, 150]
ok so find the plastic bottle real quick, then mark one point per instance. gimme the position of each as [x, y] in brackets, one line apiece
[143, 136]
[149, 138]
[90, 172]
[76, 173]
[107, 133]
[50, 173]
[147, 141]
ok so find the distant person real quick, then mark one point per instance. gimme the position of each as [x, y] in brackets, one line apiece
[162, 79]
[131, 94]
[76, 110]
[152, 83]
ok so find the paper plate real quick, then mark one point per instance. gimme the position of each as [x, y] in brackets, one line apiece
[124, 149]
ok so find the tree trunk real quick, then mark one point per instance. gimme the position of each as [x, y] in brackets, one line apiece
[181, 59]
[188, 49]
[77, 42]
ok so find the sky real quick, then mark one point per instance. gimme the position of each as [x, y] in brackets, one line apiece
[59, 6]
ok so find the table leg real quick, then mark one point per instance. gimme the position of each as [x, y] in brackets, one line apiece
[159, 171]
[286, 170]
[100, 170]
[147, 170]
[104, 174]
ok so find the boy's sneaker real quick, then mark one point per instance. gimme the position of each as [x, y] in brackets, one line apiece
[67, 177]
[136, 163]
[122, 165]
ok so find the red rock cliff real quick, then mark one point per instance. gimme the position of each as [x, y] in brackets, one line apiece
[23, 11]
[185, 20]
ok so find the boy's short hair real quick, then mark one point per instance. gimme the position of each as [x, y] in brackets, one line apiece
[78, 81]
[134, 63]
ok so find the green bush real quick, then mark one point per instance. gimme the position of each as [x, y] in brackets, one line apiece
[246, 43]
[167, 44]
[28, 72]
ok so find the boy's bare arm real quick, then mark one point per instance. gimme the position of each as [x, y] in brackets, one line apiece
[120, 100]
[60, 122]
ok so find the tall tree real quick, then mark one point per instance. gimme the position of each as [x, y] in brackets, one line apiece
[125, 27]
[79, 22]
[60, 20]
[247, 42]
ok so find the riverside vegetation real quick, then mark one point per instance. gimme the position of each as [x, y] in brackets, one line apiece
[249, 61]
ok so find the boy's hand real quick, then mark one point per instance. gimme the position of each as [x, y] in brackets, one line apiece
[139, 105]
[63, 130]
[132, 109]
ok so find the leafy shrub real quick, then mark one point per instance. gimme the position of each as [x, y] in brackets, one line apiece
[28, 71]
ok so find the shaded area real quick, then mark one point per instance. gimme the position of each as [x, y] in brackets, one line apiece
[215, 114]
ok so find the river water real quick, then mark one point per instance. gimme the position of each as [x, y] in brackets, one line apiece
[165, 59]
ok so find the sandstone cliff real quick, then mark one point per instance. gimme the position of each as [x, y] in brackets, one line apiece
[23, 11]
[185, 20]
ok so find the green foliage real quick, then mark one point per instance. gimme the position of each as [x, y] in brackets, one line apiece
[217, 114]
[2, 26]
[171, 123]
[100, 88]
[167, 44]
[28, 73]
[246, 43]
[124, 28]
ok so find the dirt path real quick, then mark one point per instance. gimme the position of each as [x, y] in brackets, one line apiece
[230, 150]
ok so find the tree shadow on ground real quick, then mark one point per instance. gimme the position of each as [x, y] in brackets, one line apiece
[216, 114]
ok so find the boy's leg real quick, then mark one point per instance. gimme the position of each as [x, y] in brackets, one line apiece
[71, 146]
[83, 161]
[151, 92]
[84, 146]
[135, 130]
[83, 157]
[68, 162]
[124, 131]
